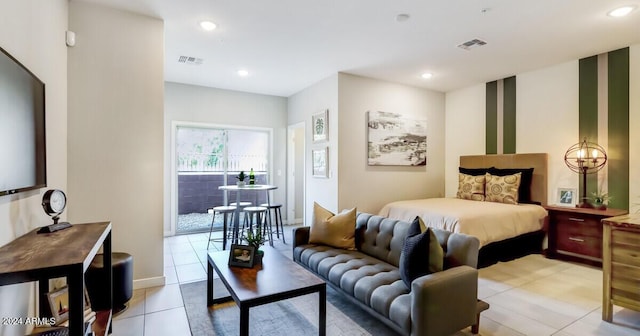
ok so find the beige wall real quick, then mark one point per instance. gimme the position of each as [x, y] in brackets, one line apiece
[371, 187]
[547, 122]
[115, 137]
[33, 32]
[301, 107]
[464, 130]
[209, 106]
[351, 182]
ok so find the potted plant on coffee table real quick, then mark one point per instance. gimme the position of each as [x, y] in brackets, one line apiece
[256, 239]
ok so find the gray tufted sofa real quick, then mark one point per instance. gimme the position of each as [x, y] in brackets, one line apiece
[437, 304]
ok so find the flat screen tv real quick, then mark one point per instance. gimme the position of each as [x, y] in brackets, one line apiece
[22, 128]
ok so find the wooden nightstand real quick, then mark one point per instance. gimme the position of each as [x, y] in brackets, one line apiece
[576, 233]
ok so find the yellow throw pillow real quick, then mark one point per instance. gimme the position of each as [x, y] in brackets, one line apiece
[471, 187]
[333, 230]
[502, 189]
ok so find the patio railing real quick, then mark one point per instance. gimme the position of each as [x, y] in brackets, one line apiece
[197, 162]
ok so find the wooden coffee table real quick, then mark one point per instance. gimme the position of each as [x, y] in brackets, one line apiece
[278, 278]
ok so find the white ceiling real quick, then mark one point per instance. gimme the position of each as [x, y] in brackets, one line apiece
[287, 45]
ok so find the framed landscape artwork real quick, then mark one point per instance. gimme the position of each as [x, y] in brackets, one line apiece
[394, 140]
[320, 126]
[320, 159]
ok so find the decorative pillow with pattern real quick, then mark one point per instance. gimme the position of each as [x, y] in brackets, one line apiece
[471, 187]
[524, 191]
[333, 230]
[502, 189]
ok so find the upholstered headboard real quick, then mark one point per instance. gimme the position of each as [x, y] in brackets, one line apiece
[538, 161]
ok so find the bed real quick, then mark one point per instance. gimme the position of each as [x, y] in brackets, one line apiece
[488, 221]
[505, 231]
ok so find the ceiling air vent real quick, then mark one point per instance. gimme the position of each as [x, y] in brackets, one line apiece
[472, 44]
[190, 60]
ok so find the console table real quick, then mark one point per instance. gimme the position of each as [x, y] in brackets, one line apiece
[66, 253]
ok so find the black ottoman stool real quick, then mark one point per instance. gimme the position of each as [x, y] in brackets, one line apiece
[95, 281]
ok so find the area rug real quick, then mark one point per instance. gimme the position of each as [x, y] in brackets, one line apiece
[296, 316]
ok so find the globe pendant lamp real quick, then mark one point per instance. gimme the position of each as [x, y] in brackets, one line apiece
[585, 158]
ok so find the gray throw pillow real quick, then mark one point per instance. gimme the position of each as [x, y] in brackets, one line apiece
[415, 253]
[421, 253]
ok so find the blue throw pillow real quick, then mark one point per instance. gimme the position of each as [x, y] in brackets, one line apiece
[415, 253]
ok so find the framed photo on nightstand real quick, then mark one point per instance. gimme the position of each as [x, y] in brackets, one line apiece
[567, 197]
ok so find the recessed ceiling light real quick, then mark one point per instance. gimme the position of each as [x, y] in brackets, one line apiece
[243, 73]
[208, 25]
[426, 75]
[622, 11]
[402, 17]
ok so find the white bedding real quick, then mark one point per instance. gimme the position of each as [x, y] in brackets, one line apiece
[488, 221]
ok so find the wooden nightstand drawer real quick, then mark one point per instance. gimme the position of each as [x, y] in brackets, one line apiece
[625, 249]
[588, 225]
[585, 228]
[623, 237]
[580, 244]
[624, 282]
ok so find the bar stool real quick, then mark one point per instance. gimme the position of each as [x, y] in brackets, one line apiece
[225, 210]
[259, 213]
[242, 205]
[277, 214]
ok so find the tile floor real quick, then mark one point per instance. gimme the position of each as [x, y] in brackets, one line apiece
[529, 296]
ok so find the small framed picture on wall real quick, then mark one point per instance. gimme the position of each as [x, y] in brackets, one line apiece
[320, 159]
[320, 126]
[567, 197]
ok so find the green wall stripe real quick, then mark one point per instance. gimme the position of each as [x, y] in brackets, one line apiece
[491, 141]
[509, 115]
[588, 109]
[618, 154]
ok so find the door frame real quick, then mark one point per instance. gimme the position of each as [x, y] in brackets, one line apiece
[292, 154]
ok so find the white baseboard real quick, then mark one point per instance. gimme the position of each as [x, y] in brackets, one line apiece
[149, 282]
[296, 221]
